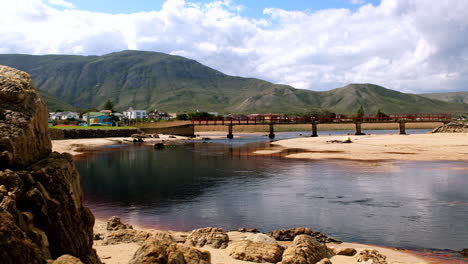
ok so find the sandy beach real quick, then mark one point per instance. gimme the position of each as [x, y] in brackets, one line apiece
[123, 252]
[439, 146]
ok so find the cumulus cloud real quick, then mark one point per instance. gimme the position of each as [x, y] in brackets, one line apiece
[407, 45]
[61, 3]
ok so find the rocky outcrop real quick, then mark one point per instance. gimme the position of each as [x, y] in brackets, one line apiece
[67, 259]
[255, 251]
[345, 251]
[125, 236]
[23, 121]
[41, 211]
[212, 236]
[464, 252]
[371, 256]
[258, 237]
[114, 223]
[290, 234]
[458, 127]
[305, 250]
[155, 250]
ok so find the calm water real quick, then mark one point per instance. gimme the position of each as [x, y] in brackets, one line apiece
[401, 204]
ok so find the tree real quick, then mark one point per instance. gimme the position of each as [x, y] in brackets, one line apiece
[181, 117]
[381, 115]
[109, 105]
[360, 113]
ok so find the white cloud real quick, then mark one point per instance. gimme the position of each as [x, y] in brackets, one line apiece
[407, 45]
[61, 3]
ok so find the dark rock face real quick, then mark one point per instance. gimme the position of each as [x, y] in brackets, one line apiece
[155, 250]
[41, 212]
[306, 250]
[464, 252]
[23, 121]
[290, 234]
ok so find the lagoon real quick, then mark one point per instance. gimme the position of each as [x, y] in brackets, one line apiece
[220, 183]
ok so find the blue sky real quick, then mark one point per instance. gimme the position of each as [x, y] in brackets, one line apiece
[253, 9]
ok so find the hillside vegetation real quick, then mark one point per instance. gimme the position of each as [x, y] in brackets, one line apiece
[149, 80]
[454, 97]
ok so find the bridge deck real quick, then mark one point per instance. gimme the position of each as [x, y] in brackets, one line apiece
[286, 120]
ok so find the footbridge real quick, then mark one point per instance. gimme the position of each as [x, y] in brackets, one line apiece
[273, 120]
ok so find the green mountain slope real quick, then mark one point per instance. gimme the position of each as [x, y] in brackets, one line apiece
[149, 80]
[53, 103]
[455, 97]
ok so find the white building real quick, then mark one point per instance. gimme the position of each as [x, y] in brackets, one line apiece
[133, 114]
[64, 115]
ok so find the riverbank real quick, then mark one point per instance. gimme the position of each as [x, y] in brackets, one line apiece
[417, 147]
[123, 251]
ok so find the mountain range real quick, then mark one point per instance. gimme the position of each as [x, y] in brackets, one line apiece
[152, 80]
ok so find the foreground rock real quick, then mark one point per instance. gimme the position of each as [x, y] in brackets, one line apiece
[114, 223]
[212, 236]
[155, 250]
[290, 234]
[306, 250]
[346, 252]
[464, 252]
[41, 211]
[23, 121]
[125, 236]
[255, 251]
[458, 127]
[371, 256]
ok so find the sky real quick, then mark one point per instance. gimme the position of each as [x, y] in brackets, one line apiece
[416, 46]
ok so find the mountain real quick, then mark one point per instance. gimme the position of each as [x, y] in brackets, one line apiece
[149, 80]
[53, 103]
[454, 97]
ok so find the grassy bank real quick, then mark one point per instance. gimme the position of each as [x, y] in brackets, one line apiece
[91, 127]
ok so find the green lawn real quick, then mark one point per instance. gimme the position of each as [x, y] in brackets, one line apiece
[91, 127]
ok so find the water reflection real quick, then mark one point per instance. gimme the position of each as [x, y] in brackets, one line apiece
[402, 204]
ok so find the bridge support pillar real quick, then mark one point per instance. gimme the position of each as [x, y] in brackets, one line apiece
[314, 129]
[358, 129]
[272, 132]
[230, 135]
[402, 128]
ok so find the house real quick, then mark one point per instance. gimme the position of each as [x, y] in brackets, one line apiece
[101, 120]
[106, 112]
[134, 114]
[64, 116]
[158, 115]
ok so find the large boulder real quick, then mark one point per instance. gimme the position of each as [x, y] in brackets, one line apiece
[464, 252]
[212, 236]
[155, 250]
[41, 212]
[114, 223]
[259, 237]
[255, 251]
[23, 121]
[306, 250]
[67, 259]
[290, 234]
[455, 127]
[371, 256]
[125, 236]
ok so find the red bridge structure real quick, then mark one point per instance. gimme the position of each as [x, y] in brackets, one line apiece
[273, 120]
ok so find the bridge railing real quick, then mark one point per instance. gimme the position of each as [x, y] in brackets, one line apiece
[279, 119]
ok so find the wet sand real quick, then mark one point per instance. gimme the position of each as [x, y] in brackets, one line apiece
[417, 147]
